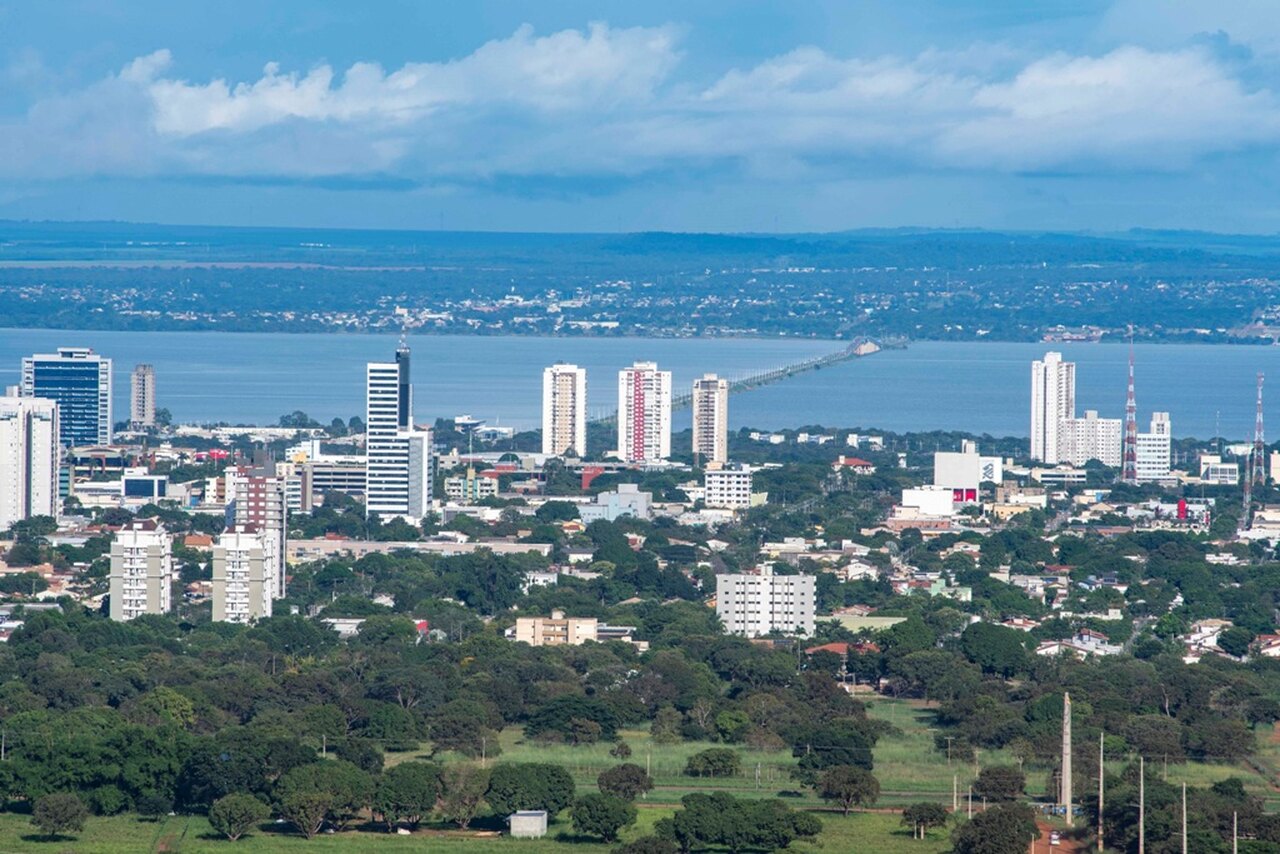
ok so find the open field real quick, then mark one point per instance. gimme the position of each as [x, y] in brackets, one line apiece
[877, 832]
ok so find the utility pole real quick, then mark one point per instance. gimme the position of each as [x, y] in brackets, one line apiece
[971, 802]
[1102, 758]
[1142, 805]
[1184, 818]
[1235, 833]
[955, 793]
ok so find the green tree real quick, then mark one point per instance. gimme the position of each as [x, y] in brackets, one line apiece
[462, 790]
[999, 830]
[529, 786]
[714, 762]
[924, 816]
[1000, 783]
[1235, 641]
[648, 845]
[347, 788]
[626, 781]
[602, 815]
[235, 814]
[847, 786]
[59, 813]
[407, 792]
[996, 649]
[306, 811]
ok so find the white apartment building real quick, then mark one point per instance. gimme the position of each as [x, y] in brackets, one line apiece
[1155, 449]
[398, 456]
[644, 413]
[142, 575]
[1091, 438]
[1053, 400]
[29, 458]
[142, 397]
[564, 410]
[711, 419]
[755, 605]
[244, 577]
[728, 488]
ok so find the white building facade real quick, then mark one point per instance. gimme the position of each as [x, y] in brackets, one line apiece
[1155, 449]
[755, 605]
[711, 419]
[398, 468]
[142, 397]
[244, 577]
[564, 410]
[1091, 438]
[965, 470]
[1053, 400]
[141, 580]
[29, 458]
[728, 488]
[644, 413]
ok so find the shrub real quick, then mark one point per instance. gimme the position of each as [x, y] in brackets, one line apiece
[59, 813]
[716, 762]
[235, 814]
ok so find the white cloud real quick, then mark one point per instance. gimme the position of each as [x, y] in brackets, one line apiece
[604, 102]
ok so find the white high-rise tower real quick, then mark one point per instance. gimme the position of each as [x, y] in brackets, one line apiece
[564, 410]
[142, 396]
[1053, 400]
[711, 419]
[644, 413]
[398, 467]
[29, 458]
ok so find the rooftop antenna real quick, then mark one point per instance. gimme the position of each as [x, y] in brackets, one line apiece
[1130, 472]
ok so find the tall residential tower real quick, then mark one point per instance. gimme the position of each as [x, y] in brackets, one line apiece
[564, 410]
[711, 419]
[1053, 400]
[644, 413]
[398, 467]
[142, 397]
[29, 458]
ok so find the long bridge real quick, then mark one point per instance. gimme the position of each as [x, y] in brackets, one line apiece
[855, 349]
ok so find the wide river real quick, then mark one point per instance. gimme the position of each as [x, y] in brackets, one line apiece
[975, 387]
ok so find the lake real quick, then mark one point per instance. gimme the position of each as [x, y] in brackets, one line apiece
[976, 387]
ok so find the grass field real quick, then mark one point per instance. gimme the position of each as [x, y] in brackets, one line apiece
[878, 832]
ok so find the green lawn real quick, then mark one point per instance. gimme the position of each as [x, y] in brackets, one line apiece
[878, 832]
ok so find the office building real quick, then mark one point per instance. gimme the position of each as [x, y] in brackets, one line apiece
[1053, 400]
[1155, 449]
[755, 605]
[710, 420]
[244, 576]
[728, 488]
[1214, 470]
[965, 470]
[1091, 438]
[644, 413]
[564, 410]
[625, 500]
[29, 459]
[142, 575]
[398, 457]
[79, 381]
[142, 397]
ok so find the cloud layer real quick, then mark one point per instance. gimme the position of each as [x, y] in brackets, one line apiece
[605, 102]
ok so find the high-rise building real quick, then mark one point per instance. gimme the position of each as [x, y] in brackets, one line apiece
[1091, 438]
[141, 570]
[1155, 449]
[398, 456]
[244, 579]
[29, 459]
[260, 501]
[755, 605]
[711, 419]
[79, 381]
[644, 413]
[1053, 400]
[564, 410]
[142, 397]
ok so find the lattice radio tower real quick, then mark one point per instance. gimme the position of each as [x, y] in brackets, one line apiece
[1130, 472]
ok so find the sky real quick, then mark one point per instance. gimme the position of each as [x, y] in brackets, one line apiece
[716, 115]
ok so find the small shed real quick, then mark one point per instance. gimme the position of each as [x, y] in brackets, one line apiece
[528, 824]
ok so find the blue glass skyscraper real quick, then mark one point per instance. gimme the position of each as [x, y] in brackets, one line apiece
[80, 381]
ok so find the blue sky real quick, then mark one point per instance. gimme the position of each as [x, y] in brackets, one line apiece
[698, 116]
